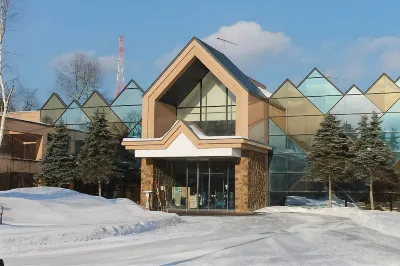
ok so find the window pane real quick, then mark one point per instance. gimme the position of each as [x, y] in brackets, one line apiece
[52, 110]
[298, 106]
[316, 85]
[304, 124]
[287, 90]
[129, 97]
[384, 93]
[324, 103]
[74, 118]
[128, 113]
[188, 114]
[354, 104]
[278, 182]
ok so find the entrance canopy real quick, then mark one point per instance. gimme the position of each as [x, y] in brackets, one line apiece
[187, 140]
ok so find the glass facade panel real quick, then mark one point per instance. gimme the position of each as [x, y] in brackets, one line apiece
[391, 122]
[384, 101]
[292, 128]
[303, 124]
[354, 91]
[320, 91]
[74, 118]
[211, 106]
[298, 106]
[129, 97]
[287, 90]
[383, 93]
[317, 85]
[52, 110]
[128, 114]
[324, 103]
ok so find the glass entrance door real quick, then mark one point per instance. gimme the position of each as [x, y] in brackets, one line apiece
[203, 184]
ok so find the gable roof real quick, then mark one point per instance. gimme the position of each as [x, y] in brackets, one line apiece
[227, 64]
[235, 72]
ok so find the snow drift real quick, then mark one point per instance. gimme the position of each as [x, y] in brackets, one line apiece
[384, 222]
[48, 215]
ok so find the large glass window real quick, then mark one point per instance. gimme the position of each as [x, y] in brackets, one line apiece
[203, 184]
[211, 106]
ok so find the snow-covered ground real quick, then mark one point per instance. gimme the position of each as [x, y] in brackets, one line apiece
[54, 216]
[67, 228]
[384, 222]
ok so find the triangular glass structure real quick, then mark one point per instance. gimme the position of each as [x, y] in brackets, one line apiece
[96, 103]
[136, 131]
[320, 91]
[293, 101]
[287, 89]
[74, 117]
[274, 129]
[278, 139]
[383, 93]
[352, 107]
[354, 91]
[129, 96]
[395, 107]
[52, 109]
[398, 82]
[391, 119]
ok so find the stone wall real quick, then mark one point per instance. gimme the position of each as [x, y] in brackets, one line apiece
[242, 185]
[258, 180]
[147, 176]
[251, 182]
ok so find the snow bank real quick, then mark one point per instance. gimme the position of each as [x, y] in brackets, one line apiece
[48, 215]
[384, 222]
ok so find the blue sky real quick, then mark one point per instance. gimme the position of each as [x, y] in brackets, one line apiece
[351, 41]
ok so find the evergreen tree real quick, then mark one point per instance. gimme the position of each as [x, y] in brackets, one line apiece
[327, 159]
[393, 142]
[373, 160]
[58, 166]
[98, 161]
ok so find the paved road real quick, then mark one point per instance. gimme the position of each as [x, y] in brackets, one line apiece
[279, 239]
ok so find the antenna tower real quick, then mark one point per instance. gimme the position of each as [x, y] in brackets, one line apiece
[120, 70]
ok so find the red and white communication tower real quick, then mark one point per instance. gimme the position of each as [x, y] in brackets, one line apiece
[120, 71]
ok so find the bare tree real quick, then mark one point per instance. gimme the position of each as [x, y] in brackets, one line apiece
[25, 99]
[7, 13]
[78, 76]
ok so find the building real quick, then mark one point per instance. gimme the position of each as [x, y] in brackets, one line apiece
[27, 135]
[292, 130]
[24, 143]
[208, 136]
[204, 138]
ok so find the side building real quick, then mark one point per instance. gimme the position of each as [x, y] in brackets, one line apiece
[28, 134]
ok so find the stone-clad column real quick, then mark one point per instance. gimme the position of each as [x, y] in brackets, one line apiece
[251, 182]
[147, 176]
[242, 185]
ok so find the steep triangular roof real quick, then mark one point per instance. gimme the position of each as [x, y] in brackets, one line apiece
[244, 81]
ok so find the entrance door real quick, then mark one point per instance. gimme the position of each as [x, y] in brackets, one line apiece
[203, 184]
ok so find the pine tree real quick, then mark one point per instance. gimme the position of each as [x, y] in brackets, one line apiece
[58, 166]
[373, 159]
[393, 142]
[98, 161]
[327, 159]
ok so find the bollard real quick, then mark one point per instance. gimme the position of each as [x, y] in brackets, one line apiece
[1, 262]
[1, 216]
[391, 202]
